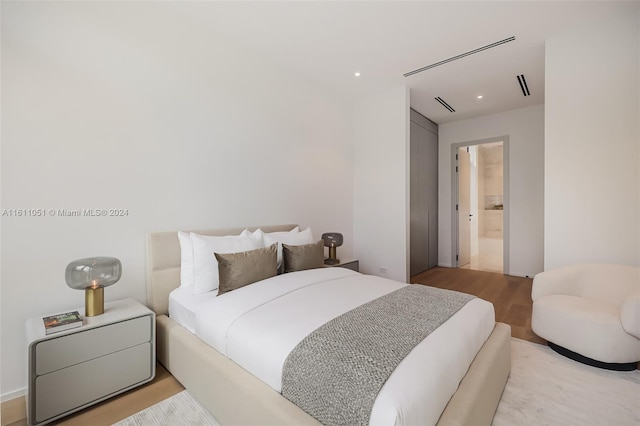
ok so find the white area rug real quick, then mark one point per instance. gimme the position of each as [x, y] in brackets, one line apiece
[179, 410]
[544, 389]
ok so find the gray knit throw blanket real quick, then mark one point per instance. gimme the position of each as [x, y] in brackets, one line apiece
[336, 372]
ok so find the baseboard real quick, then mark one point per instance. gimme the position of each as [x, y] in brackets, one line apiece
[521, 275]
[13, 395]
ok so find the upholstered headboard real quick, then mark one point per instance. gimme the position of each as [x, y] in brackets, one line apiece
[163, 262]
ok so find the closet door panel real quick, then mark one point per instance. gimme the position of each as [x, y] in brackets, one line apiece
[419, 225]
[423, 243]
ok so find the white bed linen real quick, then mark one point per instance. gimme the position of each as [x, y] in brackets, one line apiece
[258, 325]
[183, 304]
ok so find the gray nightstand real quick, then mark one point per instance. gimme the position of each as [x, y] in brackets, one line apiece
[353, 264]
[70, 370]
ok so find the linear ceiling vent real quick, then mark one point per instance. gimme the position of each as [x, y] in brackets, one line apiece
[480, 49]
[444, 104]
[523, 85]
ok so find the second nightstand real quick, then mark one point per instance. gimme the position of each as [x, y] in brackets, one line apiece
[353, 264]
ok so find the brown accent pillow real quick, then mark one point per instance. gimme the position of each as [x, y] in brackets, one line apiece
[237, 270]
[299, 258]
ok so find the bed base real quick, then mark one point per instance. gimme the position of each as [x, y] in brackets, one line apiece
[236, 397]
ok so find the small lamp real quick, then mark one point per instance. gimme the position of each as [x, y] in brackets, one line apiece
[92, 275]
[332, 240]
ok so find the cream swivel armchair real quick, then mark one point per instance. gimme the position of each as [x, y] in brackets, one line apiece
[590, 313]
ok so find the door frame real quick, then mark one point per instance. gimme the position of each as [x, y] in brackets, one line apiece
[505, 198]
[464, 225]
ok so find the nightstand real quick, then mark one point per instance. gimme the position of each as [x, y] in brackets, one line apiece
[70, 370]
[353, 264]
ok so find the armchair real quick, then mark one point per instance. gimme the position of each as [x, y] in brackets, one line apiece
[590, 313]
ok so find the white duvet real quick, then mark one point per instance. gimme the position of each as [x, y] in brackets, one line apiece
[258, 325]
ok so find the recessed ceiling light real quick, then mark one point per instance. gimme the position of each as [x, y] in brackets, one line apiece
[357, 74]
[479, 96]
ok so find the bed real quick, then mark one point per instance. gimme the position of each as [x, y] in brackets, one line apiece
[237, 395]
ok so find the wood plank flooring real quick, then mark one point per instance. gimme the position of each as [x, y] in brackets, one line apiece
[511, 297]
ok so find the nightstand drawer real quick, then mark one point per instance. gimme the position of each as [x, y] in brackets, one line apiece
[82, 346]
[81, 384]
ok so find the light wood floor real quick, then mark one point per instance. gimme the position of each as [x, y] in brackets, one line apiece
[511, 297]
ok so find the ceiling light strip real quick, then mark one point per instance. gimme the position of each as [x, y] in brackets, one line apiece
[444, 104]
[523, 85]
[480, 49]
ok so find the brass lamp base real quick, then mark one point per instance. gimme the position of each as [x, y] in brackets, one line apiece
[332, 256]
[93, 301]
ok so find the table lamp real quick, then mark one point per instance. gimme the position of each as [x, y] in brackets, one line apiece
[92, 275]
[332, 240]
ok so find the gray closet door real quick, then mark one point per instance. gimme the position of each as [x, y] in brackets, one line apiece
[423, 235]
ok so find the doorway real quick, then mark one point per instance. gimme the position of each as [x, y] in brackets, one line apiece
[480, 205]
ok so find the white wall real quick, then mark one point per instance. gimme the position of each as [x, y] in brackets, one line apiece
[525, 128]
[116, 105]
[592, 138]
[381, 185]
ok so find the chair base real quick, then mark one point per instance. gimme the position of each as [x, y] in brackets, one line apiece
[627, 366]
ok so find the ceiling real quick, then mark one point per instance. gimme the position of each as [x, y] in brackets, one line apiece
[327, 42]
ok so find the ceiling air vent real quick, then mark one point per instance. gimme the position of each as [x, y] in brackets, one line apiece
[444, 104]
[523, 85]
[462, 55]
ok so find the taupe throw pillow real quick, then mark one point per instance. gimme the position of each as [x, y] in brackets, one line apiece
[237, 270]
[299, 258]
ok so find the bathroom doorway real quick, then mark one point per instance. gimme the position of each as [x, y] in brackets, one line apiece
[480, 205]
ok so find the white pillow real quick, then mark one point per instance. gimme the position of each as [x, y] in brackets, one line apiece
[186, 259]
[291, 238]
[257, 234]
[205, 265]
[186, 256]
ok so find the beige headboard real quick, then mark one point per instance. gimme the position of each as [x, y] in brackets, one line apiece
[163, 262]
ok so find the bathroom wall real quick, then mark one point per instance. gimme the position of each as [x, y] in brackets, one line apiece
[490, 191]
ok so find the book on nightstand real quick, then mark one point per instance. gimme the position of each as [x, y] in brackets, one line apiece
[62, 322]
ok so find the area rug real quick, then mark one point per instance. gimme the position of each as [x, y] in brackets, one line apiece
[544, 389]
[179, 410]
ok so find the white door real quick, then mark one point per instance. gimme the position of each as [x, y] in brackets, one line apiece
[464, 207]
